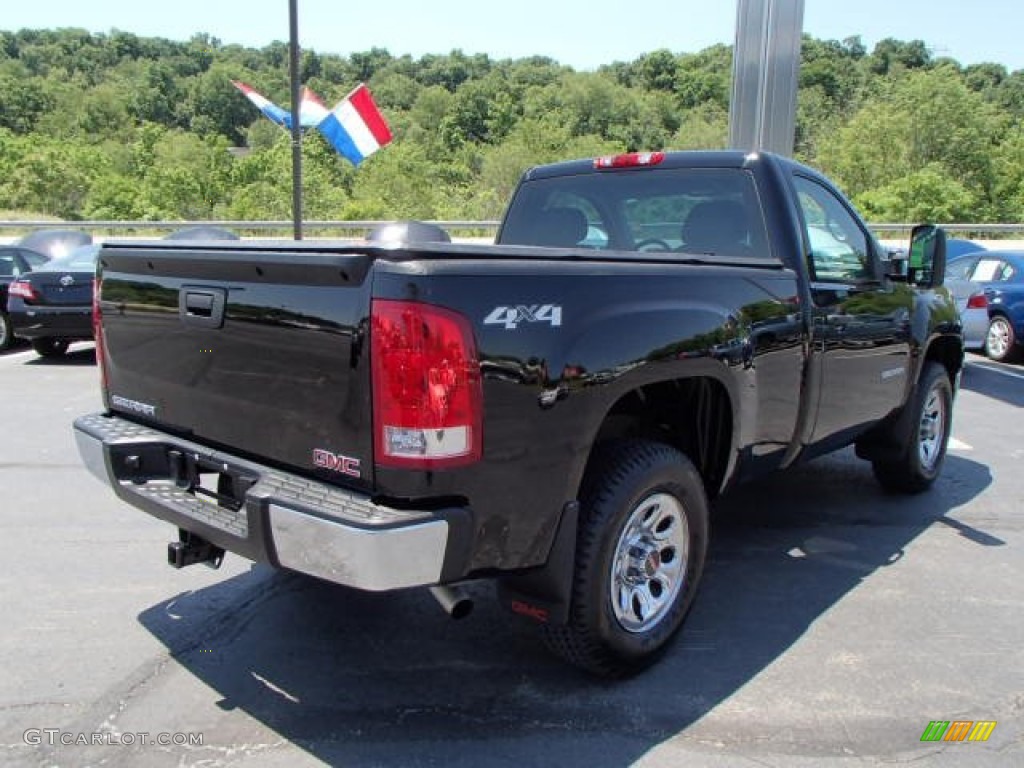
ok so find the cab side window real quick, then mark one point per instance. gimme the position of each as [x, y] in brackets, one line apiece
[839, 247]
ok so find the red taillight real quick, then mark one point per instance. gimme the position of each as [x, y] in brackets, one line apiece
[977, 301]
[630, 160]
[427, 399]
[97, 332]
[23, 290]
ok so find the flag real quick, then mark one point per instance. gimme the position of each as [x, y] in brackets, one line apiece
[311, 109]
[355, 127]
[265, 105]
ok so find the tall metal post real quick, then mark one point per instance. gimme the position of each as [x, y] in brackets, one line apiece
[293, 14]
[765, 75]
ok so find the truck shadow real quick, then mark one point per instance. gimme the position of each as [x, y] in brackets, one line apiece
[987, 379]
[381, 680]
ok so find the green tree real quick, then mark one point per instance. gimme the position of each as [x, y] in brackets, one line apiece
[52, 177]
[23, 103]
[658, 70]
[928, 117]
[705, 77]
[893, 56]
[926, 195]
[703, 127]
[534, 141]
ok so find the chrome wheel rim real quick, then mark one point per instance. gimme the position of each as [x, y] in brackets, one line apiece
[649, 566]
[932, 430]
[998, 339]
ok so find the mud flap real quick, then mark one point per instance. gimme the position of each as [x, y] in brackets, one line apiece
[545, 594]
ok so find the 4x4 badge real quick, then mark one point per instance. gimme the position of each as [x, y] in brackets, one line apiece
[511, 317]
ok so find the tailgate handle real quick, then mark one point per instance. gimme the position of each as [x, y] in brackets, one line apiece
[201, 306]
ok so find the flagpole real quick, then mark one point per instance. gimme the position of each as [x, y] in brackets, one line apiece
[293, 15]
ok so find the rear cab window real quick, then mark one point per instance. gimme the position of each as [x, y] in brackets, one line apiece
[713, 211]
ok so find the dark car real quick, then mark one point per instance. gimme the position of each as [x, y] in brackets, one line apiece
[1001, 276]
[15, 261]
[52, 305]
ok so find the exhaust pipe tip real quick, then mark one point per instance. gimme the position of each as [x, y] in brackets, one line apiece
[453, 600]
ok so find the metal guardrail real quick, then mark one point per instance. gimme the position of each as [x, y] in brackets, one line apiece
[365, 226]
[981, 229]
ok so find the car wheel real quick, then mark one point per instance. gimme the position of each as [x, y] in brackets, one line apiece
[50, 347]
[640, 552]
[1000, 341]
[6, 332]
[928, 435]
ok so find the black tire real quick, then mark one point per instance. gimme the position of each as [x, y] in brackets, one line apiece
[50, 347]
[1000, 340]
[926, 438]
[6, 331]
[634, 493]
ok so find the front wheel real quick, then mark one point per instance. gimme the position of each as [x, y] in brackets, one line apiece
[50, 347]
[924, 448]
[1000, 341]
[640, 553]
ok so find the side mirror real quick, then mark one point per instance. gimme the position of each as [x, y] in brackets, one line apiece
[926, 265]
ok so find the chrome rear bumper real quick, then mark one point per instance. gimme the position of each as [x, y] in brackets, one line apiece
[281, 518]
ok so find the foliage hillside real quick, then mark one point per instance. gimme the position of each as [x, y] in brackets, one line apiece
[116, 126]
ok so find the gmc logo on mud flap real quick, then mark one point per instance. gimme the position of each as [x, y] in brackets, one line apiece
[345, 465]
[530, 611]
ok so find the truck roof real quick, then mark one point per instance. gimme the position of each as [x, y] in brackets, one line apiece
[724, 158]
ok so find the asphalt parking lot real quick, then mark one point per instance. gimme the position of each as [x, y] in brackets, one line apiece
[835, 623]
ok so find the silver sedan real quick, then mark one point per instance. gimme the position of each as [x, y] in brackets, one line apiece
[972, 304]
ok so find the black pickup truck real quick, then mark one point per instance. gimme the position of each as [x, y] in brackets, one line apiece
[553, 411]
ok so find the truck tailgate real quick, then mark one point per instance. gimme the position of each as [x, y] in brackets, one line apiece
[258, 347]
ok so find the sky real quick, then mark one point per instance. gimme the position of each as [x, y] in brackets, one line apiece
[581, 33]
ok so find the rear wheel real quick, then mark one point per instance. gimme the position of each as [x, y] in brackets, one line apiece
[924, 449]
[1001, 341]
[50, 347]
[6, 332]
[639, 557]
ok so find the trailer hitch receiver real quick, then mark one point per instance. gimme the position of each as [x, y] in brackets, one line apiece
[191, 549]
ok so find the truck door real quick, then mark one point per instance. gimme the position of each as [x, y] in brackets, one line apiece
[861, 326]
